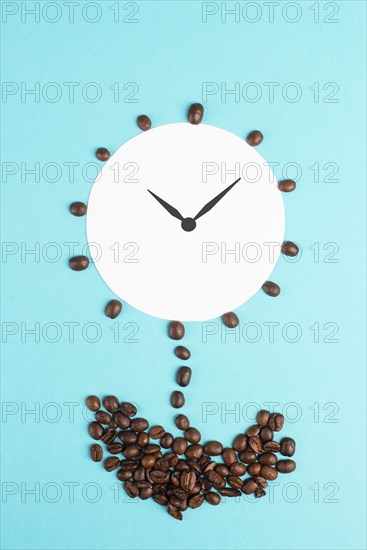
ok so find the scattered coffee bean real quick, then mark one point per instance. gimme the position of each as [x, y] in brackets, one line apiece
[95, 430]
[240, 443]
[128, 437]
[103, 154]
[139, 424]
[213, 448]
[229, 456]
[157, 432]
[287, 446]
[177, 399]
[286, 466]
[254, 469]
[188, 481]
[176, 330]
[237, 469]
[79, 263]
[96, 452]
[268, 472]
[196, 113]
[286, 186]
[235, 482]
[179, 445]
[262, 418]
[109, 436]
[271, 289]
[129, 409]
[217, 480]
[259, 493]
[183, 376]
[253, 430]
[131, 451]
[254, 138]
[290, 249]
[269, 459]
[266, 434]
[276, 422]
[194, 452]
[131, 489]
[195, 501]
[249, 486]
[212, 498]
[167, 440]
[78, 209]
[93, 403]
[103, 418]
[192, 435]
[111, 403]
[255, 444]
[182, 353]
[143, 439]
[111, 463]
[174, 512]
[271, 446]
[115, 448]
[113, 309]
[230, 492]
[230, 320]
[122, 421]
[182, 422]
[144, 122]
[148, 461]
[247, 457]
[222, 470]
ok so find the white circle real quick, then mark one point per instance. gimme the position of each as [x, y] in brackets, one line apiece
[148, 260]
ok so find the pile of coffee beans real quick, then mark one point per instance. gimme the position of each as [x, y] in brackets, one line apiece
[180, 472]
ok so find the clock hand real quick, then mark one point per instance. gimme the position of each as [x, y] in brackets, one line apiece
[214, 201]
[175, 213]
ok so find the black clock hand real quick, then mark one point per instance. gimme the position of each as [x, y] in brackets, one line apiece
[175, 213]
[214, 201]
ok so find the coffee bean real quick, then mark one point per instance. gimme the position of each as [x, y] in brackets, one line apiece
[271, 289]
[160, 499]
[79, 263]
[216, 479]
[290, 249]
[254, 469]
[196, 113]
[268, 473]
[253, 430]
[182, 422]
[115, 448]
[109, 436]
[288, 446]
[156, 432]
[103, 418]
[128, 437]
[187, 481]
[176, 330]
[212, 498]
[111, 403]
[182, 353]
[222, 470]
[113, 309]
[247, 457]
[229, 457]
[177, 399]
[249, 486]
[143, 439]
[151, 448]
[287, 186]
[271, 446]
[145, 493]
[286, 466]
[230, 319]
[128, 409]
[237, 469]
[226, 492]
[122, 421]
[193, 435]
[96, 453]
[240, 443]
[111, 463]
[254, 444]
[213, 448]
[78, 209]
[144, 122]
[124, 475]
[158, 476]
[148, 461]
[195, 501]
[276, 422]
[194, 452]
[254, 138]
[263, 418]
[95, 429]
[172, 459]
[174, 512]
[167, 441]
[93, 403]
[179, 445]
[128, 465]
[235, 482]
[103, 154]
[183, 376]
[269, 459]
[139, 425]
[131, 489]
[266, 434]
[131, 451]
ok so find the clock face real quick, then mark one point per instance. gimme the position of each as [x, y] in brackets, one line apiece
[185, 222]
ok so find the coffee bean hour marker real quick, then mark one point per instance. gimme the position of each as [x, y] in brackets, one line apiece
[196, 113]
[254, 138]
[113, 309]
[78, 263]
[78, 209]
[103, 154]
[287, 186]
[289, 249]
[271, 289]
[230, 319]
[144, 122]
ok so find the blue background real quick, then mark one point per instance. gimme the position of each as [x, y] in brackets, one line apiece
[319, 386]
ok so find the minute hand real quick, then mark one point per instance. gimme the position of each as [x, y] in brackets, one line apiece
[214, 201]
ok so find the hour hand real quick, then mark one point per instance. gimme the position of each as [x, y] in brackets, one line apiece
[173, 211]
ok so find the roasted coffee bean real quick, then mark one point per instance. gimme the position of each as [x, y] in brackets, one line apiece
[160, 499]
[254, 469]
[206, 486]
[193, 435]
[289, 249]
[286, 466]
[259, 493]
[229, 456]
[248, 457]
[182, 422]
[188, 480]
[95, 430]
[276, 422]
[253, 430]
[131, 451]
[195, 466]
[103, 418]
[93, 403]
[109, 436]
[287, 186]
[128, 465]
[113, 309]
[113, 424]
[287, 446]
[145, 493]
[177, 399]
[213, 448]
[235, 482]
[156, 432]
[131, 489]
[212, 498]
[271, 289]
[263, 418]
[176, 330]
[179, 445]
[96, 452]
[144, 122]
[271, 446]
[230, 319]
[216, 479]
[195, 113]
[128, 409]
[172, 459]
[79, 263]
[151, 448]
[148, 461]
[195, 501]
[167, 440]
[261, 481]
[226, 492]
[204, 460]
[254, 444]
[103, 154]
[78, 209]
[162, 464]
[183, 376]
[254, 138]
[111, 463]
[182, 353]
[194, 452]
[128, 437]
[111, 403]
[222, 470]
[157, 476]
[268, 472]
[139, 425]
[124, 475]
[143, 439]
[240, 443]
[238, 469]
[174, 512]
[266, 434]
[269, 459]
[249, 486]
[115, 448]
[209, 466]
